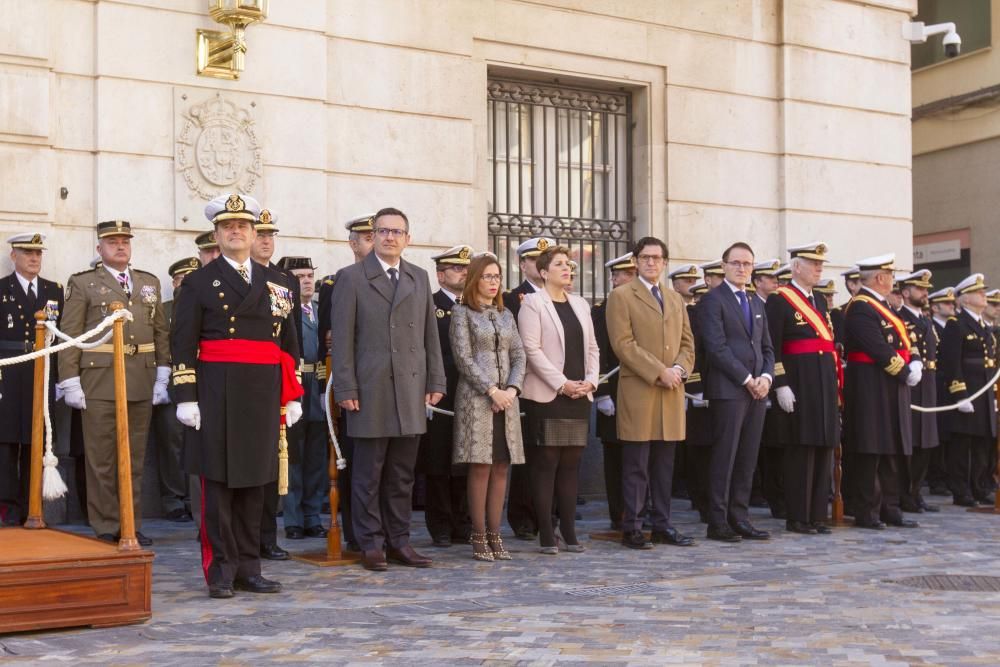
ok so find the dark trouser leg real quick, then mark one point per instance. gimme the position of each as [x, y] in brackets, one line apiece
[727, 417]
[461, 524]
[169, 445]
[937, 468]
[291, 504]
[315, 472]
[661, 475]
[745, 463]
[344, 479]
[799, 462]
[980, 472]
[698, 461]
[635, 483]
[521, 513]
[219, 551]
[772, 475]
[543, 476]
[10, 482]
[919, 462]
[865, 491]
[613, 480]
[679, 486]
[78, 452]
[437, 506]
[366, 514]
[396, 489]
[889, 481]
[959, 465]
[566, 486]
[245, 523]
[822, 484]
[269, 515]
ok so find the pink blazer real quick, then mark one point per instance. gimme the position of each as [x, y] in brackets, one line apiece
[545, 346]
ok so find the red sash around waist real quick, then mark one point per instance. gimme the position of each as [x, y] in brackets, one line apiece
[815, 346]
[862, 358]
[240, 351]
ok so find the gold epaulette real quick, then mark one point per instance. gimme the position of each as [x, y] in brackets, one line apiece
[956, 386]
[895, 366]
[779, 369]
[184, 375]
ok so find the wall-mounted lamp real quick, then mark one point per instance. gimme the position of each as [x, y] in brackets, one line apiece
[222, 55]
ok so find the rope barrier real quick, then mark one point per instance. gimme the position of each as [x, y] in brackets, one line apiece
[53, 486]
[945, 408]
[341, 461]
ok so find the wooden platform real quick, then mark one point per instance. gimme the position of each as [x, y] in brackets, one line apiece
[52, 579]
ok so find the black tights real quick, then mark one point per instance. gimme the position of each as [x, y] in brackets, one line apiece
[555, 471]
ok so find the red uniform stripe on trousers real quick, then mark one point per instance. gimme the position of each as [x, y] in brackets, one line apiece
[206, 547]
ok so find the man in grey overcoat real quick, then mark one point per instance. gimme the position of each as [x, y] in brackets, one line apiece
[386, 367]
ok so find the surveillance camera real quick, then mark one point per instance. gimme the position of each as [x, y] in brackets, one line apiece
[917, 33]
[952, 44]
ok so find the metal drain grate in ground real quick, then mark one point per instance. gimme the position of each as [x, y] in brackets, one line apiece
[609, 591]
[952, 582]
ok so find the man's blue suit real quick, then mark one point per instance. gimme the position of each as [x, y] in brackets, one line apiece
[732, 354]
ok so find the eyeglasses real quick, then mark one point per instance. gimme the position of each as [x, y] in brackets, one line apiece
[386, 231]
[741, 265]
[651, 259]
[491, 277]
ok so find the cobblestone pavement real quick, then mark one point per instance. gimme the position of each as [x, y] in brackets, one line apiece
[794, 600]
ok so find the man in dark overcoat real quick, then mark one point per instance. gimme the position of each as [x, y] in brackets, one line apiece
[881, 368]
[235, 351]
[386, 368]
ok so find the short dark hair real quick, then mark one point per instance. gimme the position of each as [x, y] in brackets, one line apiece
[391, 211]
[545, 258]
[738, 245]
[649, 240]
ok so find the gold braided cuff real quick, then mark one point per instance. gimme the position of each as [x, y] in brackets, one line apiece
[895, 366]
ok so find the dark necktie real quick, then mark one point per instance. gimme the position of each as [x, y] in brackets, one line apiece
[123, 281]
[31, 297]
[659, 297]
[812, 301]
[745, 306]
[394, 277]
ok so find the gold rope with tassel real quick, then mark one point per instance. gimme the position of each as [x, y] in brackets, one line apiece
[282, 456]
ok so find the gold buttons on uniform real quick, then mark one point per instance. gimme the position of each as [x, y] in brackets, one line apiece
[232, 319]
[231, 330]
[225, 306]
[222, 295]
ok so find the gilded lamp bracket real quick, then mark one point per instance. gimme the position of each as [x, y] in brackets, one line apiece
[222, 54]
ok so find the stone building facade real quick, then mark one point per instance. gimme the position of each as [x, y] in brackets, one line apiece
[773, 122]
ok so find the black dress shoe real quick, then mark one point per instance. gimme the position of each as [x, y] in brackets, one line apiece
[374, 560]
[799, 527]
[178, 515]
[746, 530]
[903, 523]
[723, 534]
[927, 508]
[988, 499]
[635, 539]
[870, 525]
[822, 528]
[939, 490]
[257, 584]
[273, 552]
[912, 508]
[441, 541]
[295, 533]
[671, 536]
[316, 531]
[143, 540]
[220, 591]
[779, 513]
[965, 501]
[408, 557]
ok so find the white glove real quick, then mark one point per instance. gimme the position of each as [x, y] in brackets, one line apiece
[606, 406]
[73, 393]
[160, 395]
[916, 372]
[966, 407]
[786, 399]
[430, 412]
[698, 401]
[293, 412]
[189, 414]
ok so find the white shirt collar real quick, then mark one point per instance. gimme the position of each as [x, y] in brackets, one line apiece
[648, 284]
[385, 266]
[916, 313]
[735, 289]
[873, 293]
[114, 273]
[807, 292]
[248, 264]
[447, 293]
[25, 282]
[941, 322]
